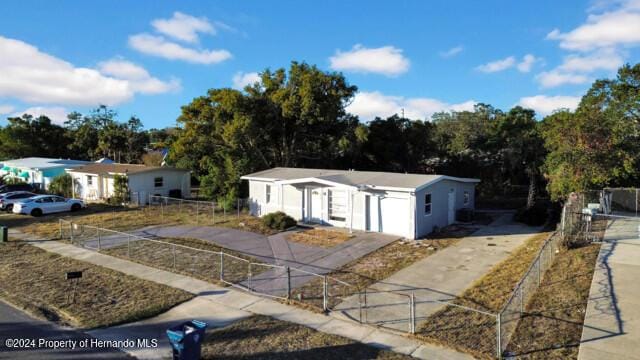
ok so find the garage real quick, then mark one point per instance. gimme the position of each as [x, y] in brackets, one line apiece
[394, 215]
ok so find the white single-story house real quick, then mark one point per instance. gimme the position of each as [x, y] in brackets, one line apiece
[38, 171]
[408, 205]
[95, 181]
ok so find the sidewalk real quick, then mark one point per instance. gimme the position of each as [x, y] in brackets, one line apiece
[221, 305]
[612, 320]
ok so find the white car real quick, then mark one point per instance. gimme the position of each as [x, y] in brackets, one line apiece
[8, 199]
[47, 204]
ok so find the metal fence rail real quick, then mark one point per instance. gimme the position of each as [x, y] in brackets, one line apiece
[514, 309]
[275, 281]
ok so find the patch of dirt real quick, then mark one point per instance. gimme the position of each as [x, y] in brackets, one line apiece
[325, 238]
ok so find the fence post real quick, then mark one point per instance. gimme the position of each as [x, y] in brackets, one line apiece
[325, 293]
[499, 336]
[636, 202]
[197, 211]
[99, 240]
[239, 207]
[213, 212]
[60, 224]
[174, 257]
[366, 316]
[412, 313]
[221, 265]
[161, 212]
[249, 277]
[224, 213]
[129, 246]
[539, 272]
[71, 232]
[288, 282]
[521, 301]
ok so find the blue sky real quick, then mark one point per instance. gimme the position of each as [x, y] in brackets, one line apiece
[148, 58]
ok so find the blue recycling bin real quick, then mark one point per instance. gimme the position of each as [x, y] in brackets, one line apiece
[186, 339]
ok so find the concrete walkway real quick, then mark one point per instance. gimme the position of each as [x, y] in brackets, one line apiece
[441, 276]
[612, 320]
[276, 250]
[223, 305]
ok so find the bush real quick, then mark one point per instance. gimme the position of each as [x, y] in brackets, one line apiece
[278, 221]
[61, 185]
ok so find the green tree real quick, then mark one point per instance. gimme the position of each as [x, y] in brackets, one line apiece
[291, 118]
[29, 136]
[61, 185]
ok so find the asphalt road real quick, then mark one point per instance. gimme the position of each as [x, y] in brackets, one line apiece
[42, 336]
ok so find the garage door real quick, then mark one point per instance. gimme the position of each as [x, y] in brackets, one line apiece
[394, 215]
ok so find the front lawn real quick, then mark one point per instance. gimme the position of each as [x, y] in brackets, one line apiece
[262, 337]
[325, 238]
[34, 279]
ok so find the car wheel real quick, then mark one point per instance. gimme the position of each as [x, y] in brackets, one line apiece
[36, 212]
[9, 208]
[75, 207]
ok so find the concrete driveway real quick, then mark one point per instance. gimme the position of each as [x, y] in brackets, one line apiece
[441, 276]
[274, 250]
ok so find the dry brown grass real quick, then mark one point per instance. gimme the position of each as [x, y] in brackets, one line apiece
[202, 265]
[261, 337]
[325, 238]
[553, 325]
[379, 265]
[472, 332]
[34, 279]
[131, 218]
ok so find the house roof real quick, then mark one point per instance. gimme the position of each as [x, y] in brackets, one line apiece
[115, 168]
[353, 178]
[42, 163]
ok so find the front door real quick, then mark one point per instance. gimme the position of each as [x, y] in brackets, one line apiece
[451, 207]
[373, 214]
[316, 205]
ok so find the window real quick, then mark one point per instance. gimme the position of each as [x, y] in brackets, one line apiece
[337, 205]
[89, 180]
[47, 199]
[267, 193]
[427, 204]
[466, 198]
[59, 199]
[158, 182]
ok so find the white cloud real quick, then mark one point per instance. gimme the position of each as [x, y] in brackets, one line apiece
[57, 114]
[545, 105]
[498, 65]
[527, 63]
[138, 77]
[554, 78]
[452, 52]
[32, 76]
[368, 105]
[386, 60]
[6, 109]
[241, 80]
[183, 27]
[161, 47]
[606, 59]
[611, 28]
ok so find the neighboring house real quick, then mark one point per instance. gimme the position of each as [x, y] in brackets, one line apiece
[37, 170]
[96, 181]
[409, 205]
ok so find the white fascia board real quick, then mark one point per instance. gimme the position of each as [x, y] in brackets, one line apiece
[316, 180]
[246, 177]
[444, 177]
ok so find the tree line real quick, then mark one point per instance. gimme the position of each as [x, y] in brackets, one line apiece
[297, 117]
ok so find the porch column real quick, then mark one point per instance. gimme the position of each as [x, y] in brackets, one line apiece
[350, 211]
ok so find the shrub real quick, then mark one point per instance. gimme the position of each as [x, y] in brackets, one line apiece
[278, 221]
[61, 185]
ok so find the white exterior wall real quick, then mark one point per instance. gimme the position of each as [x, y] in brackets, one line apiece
[141, 185]
[81, 188]
[440, 204]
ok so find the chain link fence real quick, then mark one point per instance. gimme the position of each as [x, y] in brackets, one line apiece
[514, 309]
[234, 269]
